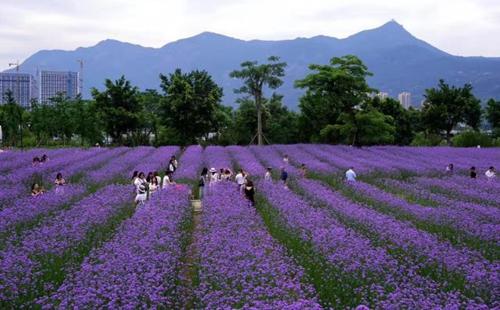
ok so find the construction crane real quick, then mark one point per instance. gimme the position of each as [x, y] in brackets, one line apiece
[80, 81]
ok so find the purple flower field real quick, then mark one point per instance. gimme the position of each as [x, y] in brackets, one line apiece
[406, 235]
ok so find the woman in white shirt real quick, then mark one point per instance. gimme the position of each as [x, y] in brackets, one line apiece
[153, 186]
[168, 180]
[141, 187]
[268, 176]
[490, 173]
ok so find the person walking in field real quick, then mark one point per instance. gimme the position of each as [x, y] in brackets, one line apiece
[141, 187]
[284, 177]
[268, 176]
[202, 182]
[250, 192]
[350, 175]
[491, 173]
[240, 179]
[213, 177]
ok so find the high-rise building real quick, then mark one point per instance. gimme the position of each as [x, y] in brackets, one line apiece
[405, 99]
[22, 85]
[53, 83]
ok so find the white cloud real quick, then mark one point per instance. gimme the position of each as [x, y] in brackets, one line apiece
[462, 27]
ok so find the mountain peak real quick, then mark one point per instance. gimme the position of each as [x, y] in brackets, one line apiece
[207, 35]
[393, 27]
[110, 42]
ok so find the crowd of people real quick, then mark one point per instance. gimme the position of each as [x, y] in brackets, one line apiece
[490, 173]
[145, 186]
[37, 187]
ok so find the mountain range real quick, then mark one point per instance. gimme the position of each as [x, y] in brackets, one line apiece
[399, 61]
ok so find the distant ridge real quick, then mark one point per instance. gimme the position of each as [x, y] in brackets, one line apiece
[400, 62]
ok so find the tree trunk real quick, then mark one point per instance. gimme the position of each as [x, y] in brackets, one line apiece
[259, 122]
[448, 137]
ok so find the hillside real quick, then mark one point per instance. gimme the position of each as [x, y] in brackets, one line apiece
[399, 61]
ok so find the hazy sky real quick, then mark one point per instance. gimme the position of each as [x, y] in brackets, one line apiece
[461, 27]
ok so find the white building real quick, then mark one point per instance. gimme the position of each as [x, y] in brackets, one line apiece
[405, 99]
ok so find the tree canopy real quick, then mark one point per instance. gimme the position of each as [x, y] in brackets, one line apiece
[255, 78]
[446, 106]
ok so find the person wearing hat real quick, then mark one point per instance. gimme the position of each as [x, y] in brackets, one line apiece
[214, 177]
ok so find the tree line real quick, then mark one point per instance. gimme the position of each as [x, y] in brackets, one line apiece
[337, 106]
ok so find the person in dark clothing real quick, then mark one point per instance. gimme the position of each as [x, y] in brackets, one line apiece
[284, 176]
[473, 173]
[250, 192]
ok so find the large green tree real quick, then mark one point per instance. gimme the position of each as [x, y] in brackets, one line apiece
[11, 120]
[493, 115]
[334, 90]
[405, 125]
[119, 108]
[190, 105]
[446, 106]
[255, 79]
[280, 125]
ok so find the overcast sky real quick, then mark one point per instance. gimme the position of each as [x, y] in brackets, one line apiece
[460, 27]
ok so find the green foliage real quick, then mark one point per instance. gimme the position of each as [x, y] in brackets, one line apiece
[280, 124]
[255, 77]
[370, 126]
[190, 105]
[404, 120]
[118, 107]
[493, 116]
[423, 139]
[472, 138]
[331, 90]
[447, 106]
[11, 120]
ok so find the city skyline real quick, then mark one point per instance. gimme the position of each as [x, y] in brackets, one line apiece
[463, 27]
[43, 87]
